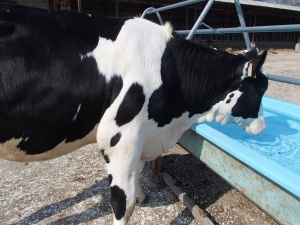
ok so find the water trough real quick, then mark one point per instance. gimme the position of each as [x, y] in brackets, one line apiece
[266, 168]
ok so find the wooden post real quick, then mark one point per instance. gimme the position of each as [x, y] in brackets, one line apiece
[79, 5]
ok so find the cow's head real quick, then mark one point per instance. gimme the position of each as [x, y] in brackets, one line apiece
[242, 104]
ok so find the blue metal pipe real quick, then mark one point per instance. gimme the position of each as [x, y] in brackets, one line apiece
[282, 79]
[242, 22]
[149, 11]
[275, 28]
[200, 19]
[188, 2]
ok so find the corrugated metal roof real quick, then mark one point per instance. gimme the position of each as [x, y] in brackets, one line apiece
[264, 4]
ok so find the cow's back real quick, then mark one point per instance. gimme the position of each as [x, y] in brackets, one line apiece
[49, 92]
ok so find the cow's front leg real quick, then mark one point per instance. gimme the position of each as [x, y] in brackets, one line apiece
[122, 168]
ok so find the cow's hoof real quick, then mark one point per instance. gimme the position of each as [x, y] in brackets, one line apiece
[146, 200]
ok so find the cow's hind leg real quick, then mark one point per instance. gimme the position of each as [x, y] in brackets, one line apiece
[140, 194]
[122, 168]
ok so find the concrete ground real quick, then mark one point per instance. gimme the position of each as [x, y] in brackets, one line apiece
[73, 189]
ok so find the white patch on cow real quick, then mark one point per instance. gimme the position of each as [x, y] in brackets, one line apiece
[245, 70]
[244, 52]
[7, 10]
[89, 15]
[221, 113]
[10, 151]
[77, 112]
[85, 56]
[250, 125]
[136, 53]
[135, 56]
[250, 67]
[160, 139]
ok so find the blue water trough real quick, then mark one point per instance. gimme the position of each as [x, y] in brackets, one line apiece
[264, 168]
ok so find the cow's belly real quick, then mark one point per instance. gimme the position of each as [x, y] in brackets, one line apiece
[165, 137]
[10, 151]
[153, 148]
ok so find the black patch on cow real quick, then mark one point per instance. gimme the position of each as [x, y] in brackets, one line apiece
[102, 151]
[131, 105]
[231, 95]
[109, 179]
[112, 91]
[118, 201]
[252, 89]
[105, 156]
[167, 102]
[106, 159]
[115, 139]
[44, 76]
[228, 101]
[194, 78]
[249, 102]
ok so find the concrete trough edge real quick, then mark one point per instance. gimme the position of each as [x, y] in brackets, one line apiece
[268, 195]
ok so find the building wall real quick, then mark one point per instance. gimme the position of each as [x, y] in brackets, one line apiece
[221, 15]
[35, 3]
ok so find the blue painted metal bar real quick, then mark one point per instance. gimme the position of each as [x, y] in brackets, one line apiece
[200, 19]
[149, 11]
[176, 5]
[146, 12]
[288, 80]
[204, 24]
[242, 22]
[275, 28]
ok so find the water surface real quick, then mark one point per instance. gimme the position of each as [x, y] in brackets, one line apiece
[280, 141]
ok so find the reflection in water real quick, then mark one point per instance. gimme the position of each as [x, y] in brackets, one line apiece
[280, 141]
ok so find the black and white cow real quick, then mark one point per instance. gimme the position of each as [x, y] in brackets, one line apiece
[69, 79]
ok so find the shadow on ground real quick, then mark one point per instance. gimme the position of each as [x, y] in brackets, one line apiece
[92, 213]
[203, 185]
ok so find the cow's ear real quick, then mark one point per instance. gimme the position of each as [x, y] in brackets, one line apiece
[256, 64]
[212, 45]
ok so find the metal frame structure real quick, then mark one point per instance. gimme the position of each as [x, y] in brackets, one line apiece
[242, 29]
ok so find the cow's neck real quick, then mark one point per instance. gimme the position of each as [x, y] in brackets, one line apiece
[205, 77]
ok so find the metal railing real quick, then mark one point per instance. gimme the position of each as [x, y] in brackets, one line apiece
[233, 30]
[173, 6]
[287, 80]
[242, 29]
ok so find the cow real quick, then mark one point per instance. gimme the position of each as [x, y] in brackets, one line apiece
[133, 87]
